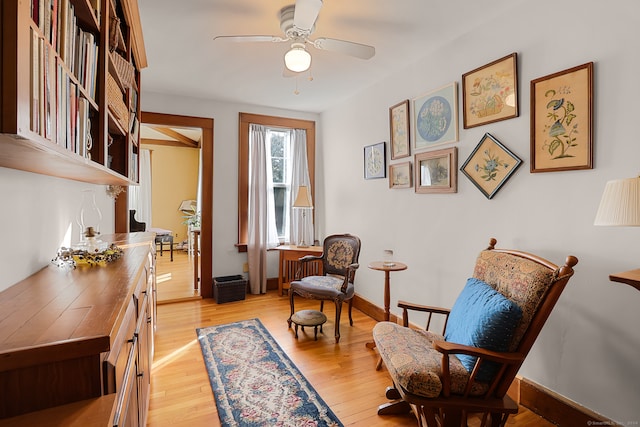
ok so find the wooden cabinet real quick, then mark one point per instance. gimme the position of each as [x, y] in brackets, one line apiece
[85, 335]
[69, 88]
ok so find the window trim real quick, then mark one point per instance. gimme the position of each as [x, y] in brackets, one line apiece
[243, 162]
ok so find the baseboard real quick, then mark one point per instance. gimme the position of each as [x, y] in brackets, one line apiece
[372, 310]
[553, 407]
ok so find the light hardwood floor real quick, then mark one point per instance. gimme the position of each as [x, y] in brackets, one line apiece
[343, 374]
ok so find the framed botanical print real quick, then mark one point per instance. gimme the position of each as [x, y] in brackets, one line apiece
[490, 165]
[399, 126]
[436, 171]
[400, 175]
[375, 161]
[562, 120]
[490, 93]
[434, 117]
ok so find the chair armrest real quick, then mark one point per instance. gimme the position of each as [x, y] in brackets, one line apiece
[505, 359]
[308, 258]
[406, 306]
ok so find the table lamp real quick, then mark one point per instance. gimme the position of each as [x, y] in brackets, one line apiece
[303, 201]
[620, 206]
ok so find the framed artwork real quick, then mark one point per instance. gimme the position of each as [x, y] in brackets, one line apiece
[490, 165]
[375, 159]
[562, 120]
[400, 175]
[434, 117]
[399, 120]
[490, 93]
[436, 171]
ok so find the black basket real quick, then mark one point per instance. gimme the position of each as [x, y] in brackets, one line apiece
[229, 288]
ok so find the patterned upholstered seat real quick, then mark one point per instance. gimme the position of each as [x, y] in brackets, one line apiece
[429, 373]
[339, 264]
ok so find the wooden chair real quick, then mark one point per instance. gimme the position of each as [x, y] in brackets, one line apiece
[443, 380]
[339, 264]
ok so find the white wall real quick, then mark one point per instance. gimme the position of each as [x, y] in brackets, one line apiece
[38, 216]
[226, 259]
[588, 349]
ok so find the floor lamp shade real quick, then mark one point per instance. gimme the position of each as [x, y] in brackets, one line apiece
[620, 204]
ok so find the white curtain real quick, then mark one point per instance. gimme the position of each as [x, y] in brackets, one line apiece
[139, 196]
[262, 233]
[300, 176]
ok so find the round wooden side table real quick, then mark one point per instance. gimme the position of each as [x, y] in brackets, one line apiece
[387, 267]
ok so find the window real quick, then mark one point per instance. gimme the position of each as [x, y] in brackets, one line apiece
[278, 140]
[277, 125]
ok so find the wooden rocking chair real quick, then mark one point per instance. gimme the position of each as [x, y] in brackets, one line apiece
[486, 336]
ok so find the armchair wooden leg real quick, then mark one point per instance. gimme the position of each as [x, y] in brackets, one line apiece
[350, 307]
[338, 311]
[292, 309]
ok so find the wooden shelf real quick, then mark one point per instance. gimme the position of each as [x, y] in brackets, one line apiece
[39, 131]
[631, 278]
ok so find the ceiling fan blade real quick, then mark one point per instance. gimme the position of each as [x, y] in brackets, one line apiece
[243, 39]
[358, 50]
[306, 13]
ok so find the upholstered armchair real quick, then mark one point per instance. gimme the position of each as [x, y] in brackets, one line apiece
[469, 366]
[339, 264]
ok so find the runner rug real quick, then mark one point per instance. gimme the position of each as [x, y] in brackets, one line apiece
[255, 383]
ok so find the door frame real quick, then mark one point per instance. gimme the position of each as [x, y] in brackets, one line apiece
[206, 223]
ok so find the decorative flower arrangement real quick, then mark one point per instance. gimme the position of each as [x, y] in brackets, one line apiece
[69, 259]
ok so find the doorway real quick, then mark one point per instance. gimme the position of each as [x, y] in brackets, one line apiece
[205, 126]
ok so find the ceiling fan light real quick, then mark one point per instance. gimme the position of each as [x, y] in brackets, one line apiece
[297, 59]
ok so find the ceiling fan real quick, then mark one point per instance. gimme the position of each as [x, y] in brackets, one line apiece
[297, 22]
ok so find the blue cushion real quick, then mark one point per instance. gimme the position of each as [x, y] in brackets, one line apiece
[482, 317]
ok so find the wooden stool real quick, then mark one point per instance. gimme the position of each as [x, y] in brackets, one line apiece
[313, 318]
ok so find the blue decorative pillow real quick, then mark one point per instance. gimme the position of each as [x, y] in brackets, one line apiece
[482, 317]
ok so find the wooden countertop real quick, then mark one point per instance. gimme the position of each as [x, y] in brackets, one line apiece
[72, 312]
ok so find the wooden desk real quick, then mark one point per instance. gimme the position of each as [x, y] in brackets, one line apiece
[631, 278]
[287, 267]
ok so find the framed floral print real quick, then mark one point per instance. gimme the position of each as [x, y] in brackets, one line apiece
[375, 161]
[490, 165]
[562, 120]
[490, 93]
[436, 171]
[434, 117]
[400, 175]
[399, 127]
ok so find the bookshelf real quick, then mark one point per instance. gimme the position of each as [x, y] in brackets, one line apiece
[69, 88]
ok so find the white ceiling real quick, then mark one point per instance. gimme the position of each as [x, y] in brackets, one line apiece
[184, 59]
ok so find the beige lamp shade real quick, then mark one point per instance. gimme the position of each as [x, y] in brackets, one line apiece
[620, 204]
[303, 199]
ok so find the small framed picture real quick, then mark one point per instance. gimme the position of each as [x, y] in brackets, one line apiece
[400, 175]
[436, 171]
[434, 118]
[399, 126]
[562, 120]
[490, 93]
[490, 165]
[375, 161]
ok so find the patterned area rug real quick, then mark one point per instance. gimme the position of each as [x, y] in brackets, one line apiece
[255, 383]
